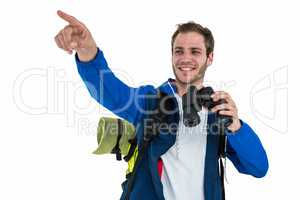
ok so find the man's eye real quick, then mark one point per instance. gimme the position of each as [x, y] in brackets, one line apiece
[196, 52]
[178, 52]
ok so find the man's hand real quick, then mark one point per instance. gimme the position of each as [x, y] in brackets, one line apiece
[228, 109]
[76, 36]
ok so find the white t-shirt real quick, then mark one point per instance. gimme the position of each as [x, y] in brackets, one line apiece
[183, 164]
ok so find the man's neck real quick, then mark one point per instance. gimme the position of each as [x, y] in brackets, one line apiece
[182, 88]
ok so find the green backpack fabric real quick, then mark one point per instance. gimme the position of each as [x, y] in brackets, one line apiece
[114, 133]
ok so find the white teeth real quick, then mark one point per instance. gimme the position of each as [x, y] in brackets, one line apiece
[186, 69]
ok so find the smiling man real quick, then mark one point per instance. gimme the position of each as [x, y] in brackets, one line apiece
[182, 164]
[190, 56]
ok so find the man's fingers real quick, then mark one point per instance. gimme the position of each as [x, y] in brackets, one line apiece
[67, 33]
[62, 42]
[71, 37]
[67, 39]
[58, 42]
[220, 95]
[72, 20]
[227, 113]
[223, 95]
[74, 45]
[224, 106]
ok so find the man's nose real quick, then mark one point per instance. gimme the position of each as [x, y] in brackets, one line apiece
[187, 56]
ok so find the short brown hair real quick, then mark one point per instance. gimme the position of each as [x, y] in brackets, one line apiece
[194, 27]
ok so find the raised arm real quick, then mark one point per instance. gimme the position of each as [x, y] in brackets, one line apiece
[126, 102]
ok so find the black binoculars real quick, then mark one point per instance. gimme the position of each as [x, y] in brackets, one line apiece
[192, 103]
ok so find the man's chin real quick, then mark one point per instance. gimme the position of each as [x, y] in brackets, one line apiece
[187, 81]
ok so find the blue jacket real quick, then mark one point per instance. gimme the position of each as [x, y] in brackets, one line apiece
[243, 148]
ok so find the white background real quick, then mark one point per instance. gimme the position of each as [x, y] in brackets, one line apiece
[48, 119]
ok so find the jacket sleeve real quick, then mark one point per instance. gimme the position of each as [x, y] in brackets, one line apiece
[108, 90]
[246, 152]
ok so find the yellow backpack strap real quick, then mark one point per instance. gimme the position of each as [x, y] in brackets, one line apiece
[131, 162]
[133, 144]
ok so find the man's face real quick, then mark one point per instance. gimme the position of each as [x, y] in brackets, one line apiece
[189, 58]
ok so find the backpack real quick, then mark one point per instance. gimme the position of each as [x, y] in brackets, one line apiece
[118, 136]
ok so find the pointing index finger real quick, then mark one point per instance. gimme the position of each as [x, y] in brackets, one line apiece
[72, 20]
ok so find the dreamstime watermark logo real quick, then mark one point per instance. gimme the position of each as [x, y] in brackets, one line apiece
[269, 100]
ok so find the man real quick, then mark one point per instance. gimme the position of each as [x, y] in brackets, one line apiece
[178, 166]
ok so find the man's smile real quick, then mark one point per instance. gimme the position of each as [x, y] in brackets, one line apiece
[186, 68]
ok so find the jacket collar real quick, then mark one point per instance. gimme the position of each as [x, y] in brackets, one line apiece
[168, 87]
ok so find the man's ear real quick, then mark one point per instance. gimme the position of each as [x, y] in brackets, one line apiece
[210, 58]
